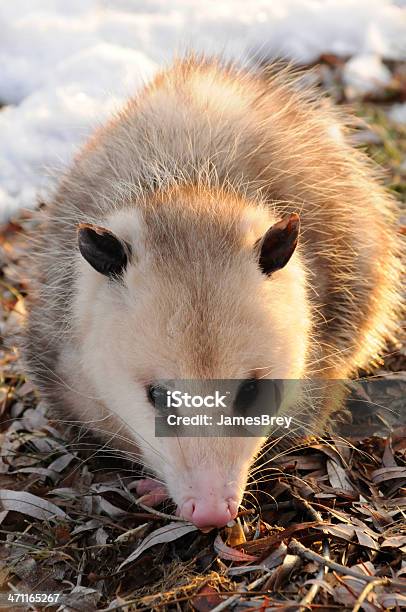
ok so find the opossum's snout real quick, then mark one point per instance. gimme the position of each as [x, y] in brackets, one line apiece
[207, 513]
[209, 477]
[212, 506]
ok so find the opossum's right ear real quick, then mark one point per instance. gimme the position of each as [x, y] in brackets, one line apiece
[102, 249]
[277, 246]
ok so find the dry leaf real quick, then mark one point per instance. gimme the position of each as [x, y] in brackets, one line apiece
[395, 542]
[235, 534]
[392, 600]
[26, 503]
[388, 473]
[80, 598]
[231, 554]
[169, 533]
[206, 599]
[338, 477]
[342, 530]
[282, 573]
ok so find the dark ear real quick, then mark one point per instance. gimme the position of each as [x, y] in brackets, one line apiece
[105, 252]
[276, 247]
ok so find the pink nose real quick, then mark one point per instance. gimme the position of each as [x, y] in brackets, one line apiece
[206, 514]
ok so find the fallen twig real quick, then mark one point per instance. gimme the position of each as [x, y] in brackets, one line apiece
[314, 589]
[171, 517]
[224, 604]
[298, 549]
[366, 591]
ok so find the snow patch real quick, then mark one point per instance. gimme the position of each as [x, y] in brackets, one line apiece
[365, 74]
[67, 66]
[398, 113]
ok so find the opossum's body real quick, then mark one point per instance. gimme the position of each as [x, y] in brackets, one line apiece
[190, 176]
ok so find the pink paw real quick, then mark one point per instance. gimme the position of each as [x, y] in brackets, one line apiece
[152, 492]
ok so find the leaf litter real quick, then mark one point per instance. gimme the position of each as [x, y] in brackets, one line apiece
[332, 538]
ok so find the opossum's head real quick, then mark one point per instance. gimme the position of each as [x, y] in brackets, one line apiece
[190, 285]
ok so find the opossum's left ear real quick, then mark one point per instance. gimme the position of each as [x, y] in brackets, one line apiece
[102, 249]
[276, 247]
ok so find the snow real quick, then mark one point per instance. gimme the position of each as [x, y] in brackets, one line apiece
[365, 74]
[67, 65]
[398, 114]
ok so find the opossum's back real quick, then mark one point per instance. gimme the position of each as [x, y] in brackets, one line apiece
[201, 123]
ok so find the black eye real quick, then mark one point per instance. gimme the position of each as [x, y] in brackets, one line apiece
[247, 394]
[157, 395]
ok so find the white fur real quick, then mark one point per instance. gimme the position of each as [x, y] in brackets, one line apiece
[129, 337]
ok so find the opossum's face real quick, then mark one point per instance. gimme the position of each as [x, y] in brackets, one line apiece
[160, 303]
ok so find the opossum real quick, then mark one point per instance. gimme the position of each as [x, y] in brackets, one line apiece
[221, 226]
